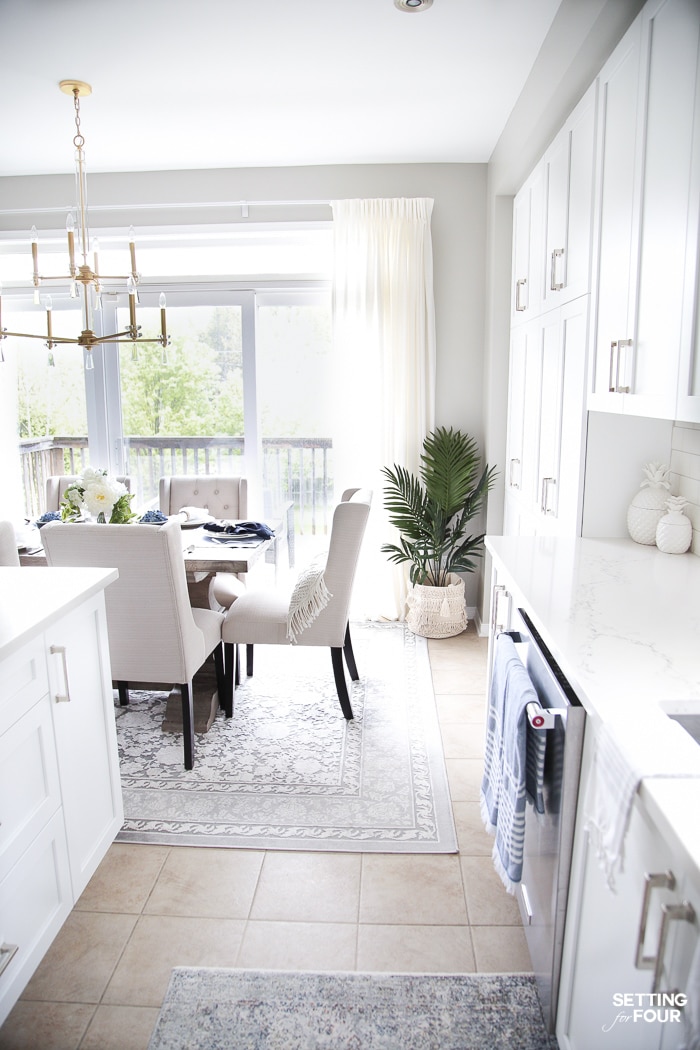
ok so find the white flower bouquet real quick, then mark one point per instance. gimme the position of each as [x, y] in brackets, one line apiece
[96, 493]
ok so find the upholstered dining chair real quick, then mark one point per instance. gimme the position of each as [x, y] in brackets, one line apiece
[155, 635]
[224, 497]
[56, 485]
[8, 544]
[316, 613]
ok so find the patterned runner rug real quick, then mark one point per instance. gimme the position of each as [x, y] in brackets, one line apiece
[287, 771]
[212, 1009]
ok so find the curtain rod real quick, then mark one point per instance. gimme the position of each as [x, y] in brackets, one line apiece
[244, 205]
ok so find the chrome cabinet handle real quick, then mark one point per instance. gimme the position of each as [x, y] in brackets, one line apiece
[499, 591]
[665, 880]
[554, 285]
[613, 352]
[683, 912]
[513, 484]
[60, 650]
[7, 952]
[526, 903]
[518, 285]
[544, 501]
[614, 383]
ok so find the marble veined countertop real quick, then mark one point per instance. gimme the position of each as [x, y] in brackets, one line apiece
[622, 619]
[30, 599]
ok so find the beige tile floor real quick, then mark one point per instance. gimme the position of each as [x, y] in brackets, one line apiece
[149, 908]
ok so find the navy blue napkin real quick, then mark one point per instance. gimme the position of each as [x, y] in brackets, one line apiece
[241, 528]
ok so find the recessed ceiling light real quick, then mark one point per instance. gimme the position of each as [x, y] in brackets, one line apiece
[413, 5]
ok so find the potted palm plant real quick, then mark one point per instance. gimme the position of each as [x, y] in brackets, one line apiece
[431, 514]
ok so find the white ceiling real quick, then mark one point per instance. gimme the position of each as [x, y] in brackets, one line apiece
[231, 83]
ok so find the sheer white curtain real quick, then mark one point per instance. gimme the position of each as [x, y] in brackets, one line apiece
[384, 335]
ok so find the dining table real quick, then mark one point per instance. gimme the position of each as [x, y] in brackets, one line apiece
[204, 553]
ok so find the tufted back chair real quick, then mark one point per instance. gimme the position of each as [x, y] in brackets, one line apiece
[154, 633]
[223, 496]
[8, 544]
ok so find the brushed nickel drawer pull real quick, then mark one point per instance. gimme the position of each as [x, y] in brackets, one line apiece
[683, 912]
[665, 880]
[554, 285]
[7, 953]
[60, 650]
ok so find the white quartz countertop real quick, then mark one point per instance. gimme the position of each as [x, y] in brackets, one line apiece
[30, 599]
[622, 620]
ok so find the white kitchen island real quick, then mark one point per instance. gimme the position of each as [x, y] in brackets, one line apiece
[622, 620]
[60, 789]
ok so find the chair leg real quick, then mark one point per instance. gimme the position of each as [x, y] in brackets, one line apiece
[187, 723]
[123, 690]
[340, 683]
[350, 656]
[231, 672]
[249, 660]
[220, 673]
[237, 663]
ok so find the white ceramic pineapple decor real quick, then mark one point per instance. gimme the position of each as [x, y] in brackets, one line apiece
[674, 532]
[649, 505]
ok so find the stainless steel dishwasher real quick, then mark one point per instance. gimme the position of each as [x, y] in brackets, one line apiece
[543, 890]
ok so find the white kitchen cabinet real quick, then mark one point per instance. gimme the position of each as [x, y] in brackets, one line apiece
[546, 423]
[60, 790]
[568, 206]
[528, 252]
[612, 940]
[642, 238]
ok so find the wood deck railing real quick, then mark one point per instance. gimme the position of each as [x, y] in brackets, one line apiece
[296, 469]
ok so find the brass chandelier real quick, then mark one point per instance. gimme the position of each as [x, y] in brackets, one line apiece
[85, 280]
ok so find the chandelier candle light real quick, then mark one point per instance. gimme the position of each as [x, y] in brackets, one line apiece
[88, 278]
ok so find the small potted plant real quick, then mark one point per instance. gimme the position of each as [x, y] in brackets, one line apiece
[431, 514]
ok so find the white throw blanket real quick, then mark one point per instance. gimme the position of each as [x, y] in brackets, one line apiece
[309, 597]
[627, 751]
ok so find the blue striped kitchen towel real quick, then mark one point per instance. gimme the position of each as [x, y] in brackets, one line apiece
[504, 784]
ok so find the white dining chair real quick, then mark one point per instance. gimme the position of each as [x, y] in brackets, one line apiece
[223, 496]
[262, 617]
[155, 636]
[8, 544]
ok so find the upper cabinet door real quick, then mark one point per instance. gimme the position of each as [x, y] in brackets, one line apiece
[617, 186]
[646, 212]
[528, 267]
[568, 195]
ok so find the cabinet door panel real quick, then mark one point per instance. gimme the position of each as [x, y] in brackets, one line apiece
[551, 391]
[568, 176]
[36, 900]
[616, 206]
[85, 736]
[29, 788]
[528, 260]
[606, 941]
[669, 91]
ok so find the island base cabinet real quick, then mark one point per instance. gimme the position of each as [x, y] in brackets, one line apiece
[60, 789]
[612, 941]
[36, 899]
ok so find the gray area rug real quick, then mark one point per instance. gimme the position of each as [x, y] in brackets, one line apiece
[213, 1009]
[287, 771]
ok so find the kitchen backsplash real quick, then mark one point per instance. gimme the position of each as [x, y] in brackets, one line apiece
[685, 473]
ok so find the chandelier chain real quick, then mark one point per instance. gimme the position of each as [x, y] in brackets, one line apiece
[78, 141]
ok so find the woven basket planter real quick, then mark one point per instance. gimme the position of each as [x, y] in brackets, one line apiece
[437, 612]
